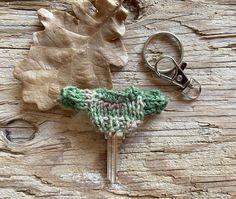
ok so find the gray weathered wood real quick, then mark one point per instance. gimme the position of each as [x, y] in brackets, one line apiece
[189, 151]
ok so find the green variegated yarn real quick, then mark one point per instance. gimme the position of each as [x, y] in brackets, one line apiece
[114, 111]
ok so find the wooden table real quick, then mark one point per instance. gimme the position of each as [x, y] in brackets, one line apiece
[189, 151]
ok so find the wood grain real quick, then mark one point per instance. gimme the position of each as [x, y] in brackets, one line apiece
[189, 151]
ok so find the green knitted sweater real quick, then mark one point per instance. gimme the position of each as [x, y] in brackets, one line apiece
[114, 111]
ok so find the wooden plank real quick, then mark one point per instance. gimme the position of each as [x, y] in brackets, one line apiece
[189, 151]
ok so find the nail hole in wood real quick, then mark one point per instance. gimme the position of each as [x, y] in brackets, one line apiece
[20, 131]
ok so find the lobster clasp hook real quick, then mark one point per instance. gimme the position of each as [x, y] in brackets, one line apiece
[190, 88]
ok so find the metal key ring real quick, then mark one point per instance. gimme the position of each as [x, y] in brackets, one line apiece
[159, 34]
[190, 88]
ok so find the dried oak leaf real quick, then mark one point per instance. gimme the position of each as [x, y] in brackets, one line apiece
[73, 51]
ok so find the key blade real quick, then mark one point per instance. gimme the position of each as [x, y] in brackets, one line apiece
[113, 146]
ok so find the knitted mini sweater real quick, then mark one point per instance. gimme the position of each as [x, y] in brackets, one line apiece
[114, 111]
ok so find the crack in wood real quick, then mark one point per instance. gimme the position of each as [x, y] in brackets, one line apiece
[186, 152]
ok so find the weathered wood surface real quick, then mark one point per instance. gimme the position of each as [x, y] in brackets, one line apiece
[189, 151]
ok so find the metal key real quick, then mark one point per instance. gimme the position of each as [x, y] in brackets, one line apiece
[114, 141]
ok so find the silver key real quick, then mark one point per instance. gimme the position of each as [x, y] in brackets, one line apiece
[114, 141]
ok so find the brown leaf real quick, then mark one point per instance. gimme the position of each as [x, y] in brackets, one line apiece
[73, 51]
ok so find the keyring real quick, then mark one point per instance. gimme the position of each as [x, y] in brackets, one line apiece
[157, 35]
[190, 88]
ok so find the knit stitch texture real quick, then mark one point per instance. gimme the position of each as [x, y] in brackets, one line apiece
[114, 111]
